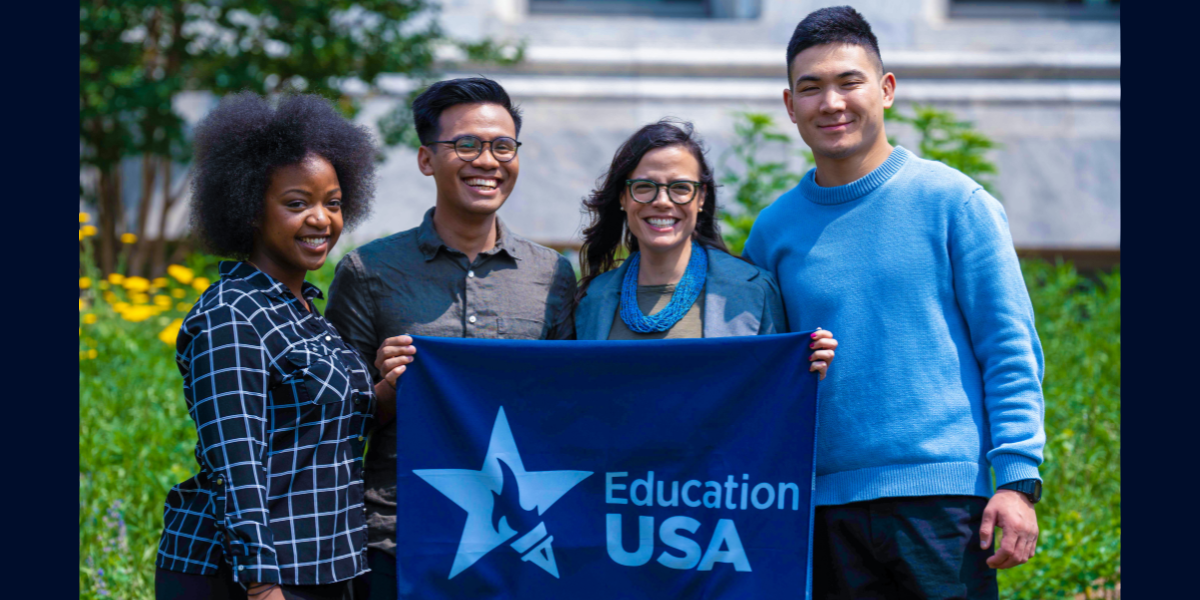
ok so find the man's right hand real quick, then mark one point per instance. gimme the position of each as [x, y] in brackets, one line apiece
[393, 356]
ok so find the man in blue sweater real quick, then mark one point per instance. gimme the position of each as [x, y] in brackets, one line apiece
[904, 258]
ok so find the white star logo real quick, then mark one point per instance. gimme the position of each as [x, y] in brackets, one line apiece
[482, 492]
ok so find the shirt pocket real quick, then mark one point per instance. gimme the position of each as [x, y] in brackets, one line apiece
[323, 379]
[517, 328]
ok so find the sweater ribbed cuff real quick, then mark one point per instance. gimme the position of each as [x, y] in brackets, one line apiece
[1014, 467]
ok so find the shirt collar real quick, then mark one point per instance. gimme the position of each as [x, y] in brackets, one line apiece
[429, 242]
[236, 269]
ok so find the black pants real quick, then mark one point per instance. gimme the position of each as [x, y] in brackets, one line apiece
[170, 585]
[910, 547]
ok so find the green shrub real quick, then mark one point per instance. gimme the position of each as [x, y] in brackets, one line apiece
[1079, 323]
[946, 139]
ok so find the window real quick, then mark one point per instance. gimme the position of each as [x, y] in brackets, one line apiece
[1106, 10]
[720, 9]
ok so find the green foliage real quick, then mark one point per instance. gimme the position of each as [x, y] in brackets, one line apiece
[136, 57]
[946, 139]
[135, 442]
[1079, 323]
[755, 183]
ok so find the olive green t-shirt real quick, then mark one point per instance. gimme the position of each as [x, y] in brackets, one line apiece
[653, 298]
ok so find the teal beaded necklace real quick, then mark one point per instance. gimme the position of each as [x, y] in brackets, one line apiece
[681, 300]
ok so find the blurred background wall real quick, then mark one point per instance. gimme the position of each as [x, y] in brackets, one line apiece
[1041, 77]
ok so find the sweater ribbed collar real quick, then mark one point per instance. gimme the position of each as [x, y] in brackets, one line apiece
[855, 189]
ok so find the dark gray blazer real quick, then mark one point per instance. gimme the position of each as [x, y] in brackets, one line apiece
[739, 299]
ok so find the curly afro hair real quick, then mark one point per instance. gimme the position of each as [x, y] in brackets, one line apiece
[243, 140]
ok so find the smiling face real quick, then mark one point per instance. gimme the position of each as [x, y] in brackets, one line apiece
[663, 226]
[477, 187]
[837, 100]
[301, 220]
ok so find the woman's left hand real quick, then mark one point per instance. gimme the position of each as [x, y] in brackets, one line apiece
[822, 345]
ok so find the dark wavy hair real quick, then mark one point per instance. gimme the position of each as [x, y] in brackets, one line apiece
[607, 232]
[243, 140]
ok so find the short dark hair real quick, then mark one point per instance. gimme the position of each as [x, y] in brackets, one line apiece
[607, 232]
[832, 25]
[427, 108]
[243, 140]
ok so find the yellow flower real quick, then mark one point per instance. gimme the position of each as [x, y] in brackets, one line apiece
[200, 283]
[171, 332]
[139, 298]
[137, 284]
[116, 278]
[181, 273]
[178, 293]
[128, 238]
[88, 230]
[110, 297]
[81, 236]
[138, 313]
[85, 283]
[84, 217]
[183, 307]
[89, 318]
[159, 282]
[82, 305]
[162, 301]
[103, 284]
[121, 307]
[92, 353]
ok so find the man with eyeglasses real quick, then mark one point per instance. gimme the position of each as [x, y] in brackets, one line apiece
[461, 273]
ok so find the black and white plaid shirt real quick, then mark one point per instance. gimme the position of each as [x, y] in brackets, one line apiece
[281, 406]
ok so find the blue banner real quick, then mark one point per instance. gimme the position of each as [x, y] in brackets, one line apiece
[648, 469]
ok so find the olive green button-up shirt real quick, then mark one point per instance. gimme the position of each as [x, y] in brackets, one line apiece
[413, 283]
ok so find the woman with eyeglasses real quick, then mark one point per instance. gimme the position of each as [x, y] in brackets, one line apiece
[659, 202]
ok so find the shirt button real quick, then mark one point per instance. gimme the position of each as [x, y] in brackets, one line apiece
[329, 338]
[471, 319]
[220, 481]
[241, 567]
[470, 273]
[360, 438]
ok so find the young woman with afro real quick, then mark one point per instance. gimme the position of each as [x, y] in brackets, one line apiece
[281, 404]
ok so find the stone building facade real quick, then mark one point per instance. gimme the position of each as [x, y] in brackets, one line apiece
[1043, 79]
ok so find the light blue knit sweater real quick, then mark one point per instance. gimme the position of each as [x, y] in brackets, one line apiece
[938, 370]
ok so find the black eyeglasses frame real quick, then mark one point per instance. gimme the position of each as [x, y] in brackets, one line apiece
[658, 189]
[489, 145]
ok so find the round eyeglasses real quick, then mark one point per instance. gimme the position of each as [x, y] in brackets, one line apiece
[644, 191]
[469, 147]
